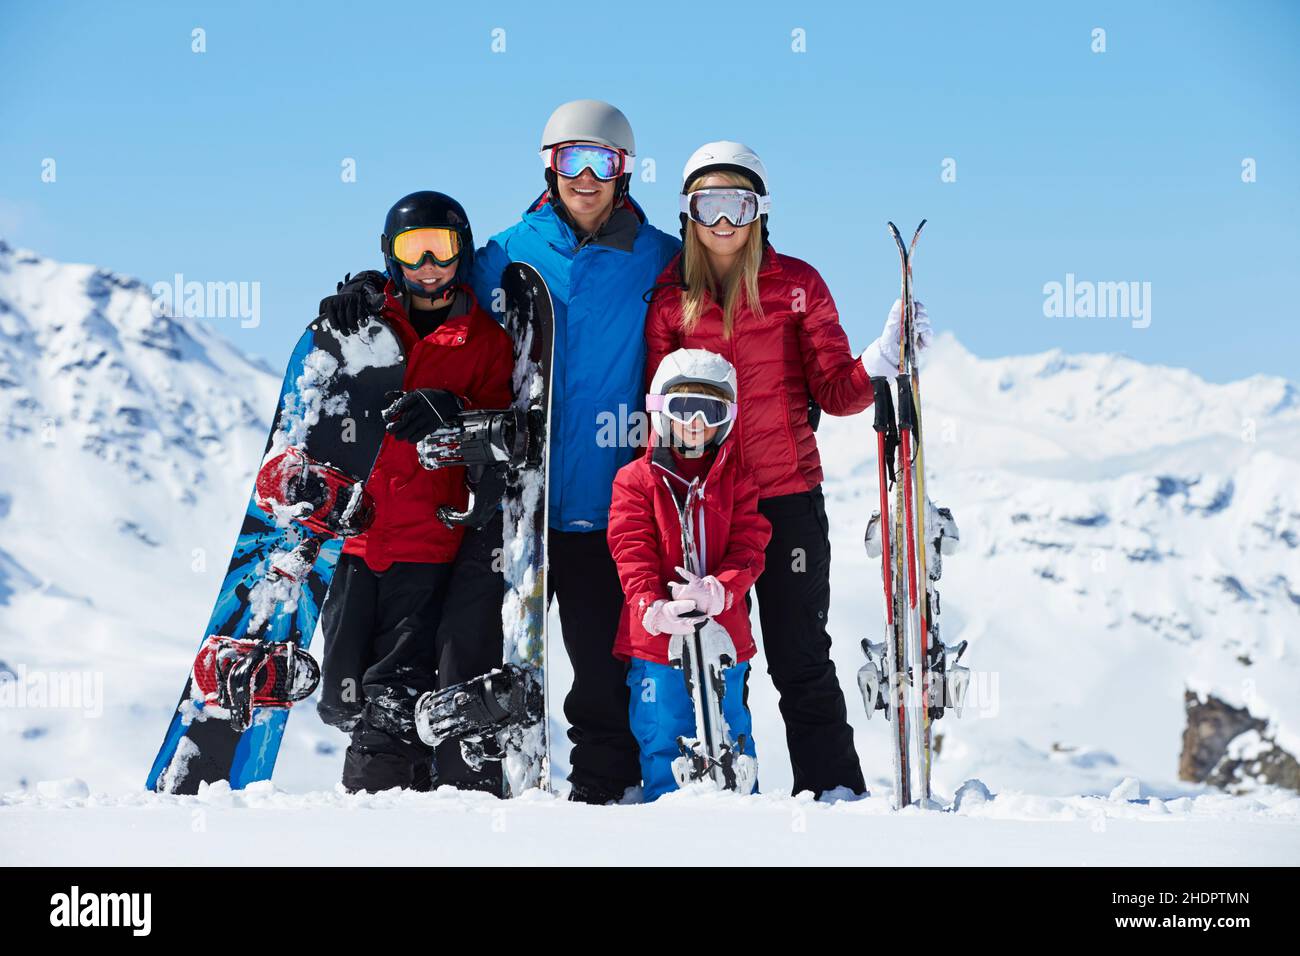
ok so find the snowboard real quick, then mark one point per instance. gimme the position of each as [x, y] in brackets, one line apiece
[307, 497]
[530, 320]
[502, 715]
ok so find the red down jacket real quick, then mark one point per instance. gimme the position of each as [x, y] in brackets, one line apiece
[797, 349]
[469, 355]
[645, 538]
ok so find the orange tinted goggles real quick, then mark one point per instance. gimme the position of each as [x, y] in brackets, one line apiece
[411, 247]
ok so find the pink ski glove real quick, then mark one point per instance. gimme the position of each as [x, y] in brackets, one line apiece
[665, 617]
[707, 593]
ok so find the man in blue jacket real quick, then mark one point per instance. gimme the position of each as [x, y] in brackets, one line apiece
[599, 256]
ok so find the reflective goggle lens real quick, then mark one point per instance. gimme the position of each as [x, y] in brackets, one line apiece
[683, 406]
[740, 207]
[410, 248]
[571, 160]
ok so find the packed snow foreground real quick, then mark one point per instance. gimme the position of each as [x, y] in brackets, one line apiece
[64, 824]
[1130, 535]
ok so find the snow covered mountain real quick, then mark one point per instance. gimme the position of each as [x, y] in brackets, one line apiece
[1130, 535]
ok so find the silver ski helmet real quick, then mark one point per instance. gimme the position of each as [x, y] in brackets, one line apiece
[726, 156]
[589, 121]
[689, 366]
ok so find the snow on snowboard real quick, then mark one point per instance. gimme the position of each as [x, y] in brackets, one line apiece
[252, 662]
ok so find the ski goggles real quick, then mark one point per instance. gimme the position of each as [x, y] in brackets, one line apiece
[571, 159]
[681, 407]
[442, 245]
[739, 207]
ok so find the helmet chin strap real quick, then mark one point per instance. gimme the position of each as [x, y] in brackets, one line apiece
[441, 292]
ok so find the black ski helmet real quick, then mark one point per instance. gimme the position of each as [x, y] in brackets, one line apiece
[426, 210]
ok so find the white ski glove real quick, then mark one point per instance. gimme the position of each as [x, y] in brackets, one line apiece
[706, 593]
[881, 356]
[665, 617]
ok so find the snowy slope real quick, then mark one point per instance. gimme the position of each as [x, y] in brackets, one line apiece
[1128, 532]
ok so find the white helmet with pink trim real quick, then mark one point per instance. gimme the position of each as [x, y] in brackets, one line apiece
[685, 367]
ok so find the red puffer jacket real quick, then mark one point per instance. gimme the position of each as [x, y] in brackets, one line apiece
[645, 538]
[797, 349]
[469, 355]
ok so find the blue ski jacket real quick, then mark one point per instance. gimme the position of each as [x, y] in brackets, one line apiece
[598, 288]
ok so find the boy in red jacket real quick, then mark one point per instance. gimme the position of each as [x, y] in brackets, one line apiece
[686, 478]
[395, 623]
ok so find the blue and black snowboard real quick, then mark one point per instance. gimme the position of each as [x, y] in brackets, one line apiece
[309, 495]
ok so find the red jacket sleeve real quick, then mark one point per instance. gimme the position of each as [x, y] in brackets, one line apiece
[746, 541]
[662, 329]
[634, 540]
[834, 374]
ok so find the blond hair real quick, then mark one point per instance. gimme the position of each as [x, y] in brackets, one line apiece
[698, 276]
[699, 388]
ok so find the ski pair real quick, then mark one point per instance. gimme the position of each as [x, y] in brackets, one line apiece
[703, 656]
[912, 676]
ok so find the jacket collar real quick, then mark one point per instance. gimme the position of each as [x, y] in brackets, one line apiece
[618, 233]
[661, 459]
[455, 329]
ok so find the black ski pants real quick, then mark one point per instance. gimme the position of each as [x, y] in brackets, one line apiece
[469, 643]
[584, 579]
[380, 655]
[794, 596]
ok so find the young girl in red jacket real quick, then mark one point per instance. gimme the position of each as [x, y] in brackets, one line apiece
[690, 476]
[772, 316]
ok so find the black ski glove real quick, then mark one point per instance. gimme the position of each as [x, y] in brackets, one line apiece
[417, 413]
[356, 299]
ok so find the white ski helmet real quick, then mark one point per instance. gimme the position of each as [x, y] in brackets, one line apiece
[688, 366]
[725, 155]
[589, 121]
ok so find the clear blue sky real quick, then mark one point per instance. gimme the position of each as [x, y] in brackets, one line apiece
[1121, 166]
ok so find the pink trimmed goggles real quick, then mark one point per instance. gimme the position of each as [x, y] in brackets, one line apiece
[571, 159]
[740, 207]
[681, 407]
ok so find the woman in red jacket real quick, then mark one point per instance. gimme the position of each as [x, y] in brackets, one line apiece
[394, 621]
[686, 504]
[773, 318]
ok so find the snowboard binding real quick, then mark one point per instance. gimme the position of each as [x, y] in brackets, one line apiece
[476, 711]
[494, 446]
[328, 501]
[479, 437]
[236, 675]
